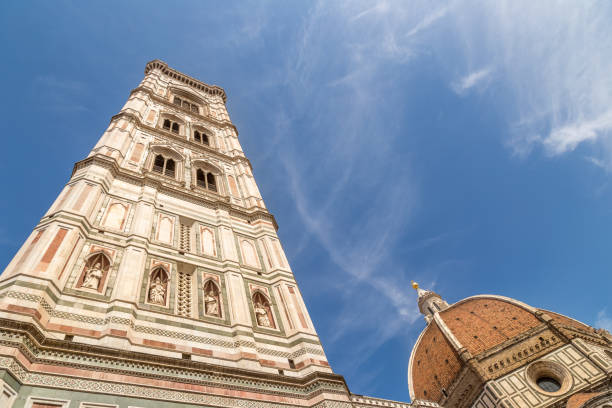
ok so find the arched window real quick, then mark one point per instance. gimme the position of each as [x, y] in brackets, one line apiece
[157, 292]
[201, 137]
[171, 126]
[186, 104]
[159, 163]
[94, 273]
[164, 166]
[169, 168]
[200, 178]
[212, 303]
[210, 182]
[206, 180]
[263, 311]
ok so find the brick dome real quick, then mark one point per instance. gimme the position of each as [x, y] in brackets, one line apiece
[434, 365]
[476, 325]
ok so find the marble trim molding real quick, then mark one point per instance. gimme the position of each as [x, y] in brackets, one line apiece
[21, 349]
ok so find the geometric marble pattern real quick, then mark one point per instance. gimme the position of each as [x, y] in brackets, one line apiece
[513, 390]
[100, 363]
[129, 390]
[159, 332]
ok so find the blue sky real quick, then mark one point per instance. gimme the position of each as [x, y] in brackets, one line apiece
[465, 145]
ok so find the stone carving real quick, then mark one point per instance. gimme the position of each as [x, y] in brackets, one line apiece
[183, 306]
[94, 273]
[212, 304]
[262, 315]
[263, 312]
[158, 287]
[93, 277]
[211, 299]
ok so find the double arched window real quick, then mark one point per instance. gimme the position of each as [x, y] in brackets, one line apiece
[174, 127]
[206, 179]
[165, 166]
[186, 104]
[201, 137]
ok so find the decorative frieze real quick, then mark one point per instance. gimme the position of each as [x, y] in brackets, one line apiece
[183, 304]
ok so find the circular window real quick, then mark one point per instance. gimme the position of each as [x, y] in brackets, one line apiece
[548, 384]
[549, 377]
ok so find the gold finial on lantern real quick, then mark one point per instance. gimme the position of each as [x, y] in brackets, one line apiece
[415, 285]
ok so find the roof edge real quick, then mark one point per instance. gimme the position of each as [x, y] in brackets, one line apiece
[566, 316]
[186, 79]
[496, 297]
[411, 360]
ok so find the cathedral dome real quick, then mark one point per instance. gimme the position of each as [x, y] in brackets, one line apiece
[469, 328]
[481, 338]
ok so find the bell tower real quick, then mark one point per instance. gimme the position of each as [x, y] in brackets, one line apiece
[157, 277]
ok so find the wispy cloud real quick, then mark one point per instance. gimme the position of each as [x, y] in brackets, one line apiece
[354, 196]
[381, 6]
[603, 321]
[550, 62]
[596, 162]
[369, 195]
[428, 20]
[568, 137]
[471, 80]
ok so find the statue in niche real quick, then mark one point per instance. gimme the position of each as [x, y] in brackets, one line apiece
[93, 277]
[211, 299]
[263, 313]
[212, 305]
[158, 287]
[95, 272]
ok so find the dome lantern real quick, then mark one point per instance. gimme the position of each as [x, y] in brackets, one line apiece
[429, 302]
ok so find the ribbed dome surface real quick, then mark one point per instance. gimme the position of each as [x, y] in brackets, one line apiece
[567, 321]
[478, 324]
[483, 323]
[435, 364]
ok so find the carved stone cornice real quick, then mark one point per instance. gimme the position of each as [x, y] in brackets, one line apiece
[175, 189]
[39, 349]
[520, 354]
[186, 79]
